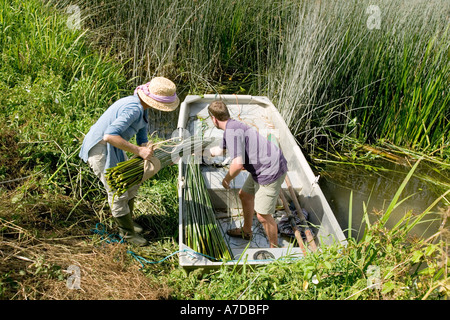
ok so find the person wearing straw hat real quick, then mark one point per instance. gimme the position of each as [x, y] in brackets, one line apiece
[105, 144]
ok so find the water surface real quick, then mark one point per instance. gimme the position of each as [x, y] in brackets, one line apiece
[375, 185]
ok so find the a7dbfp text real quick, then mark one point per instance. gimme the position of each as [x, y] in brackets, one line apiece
[245, 309]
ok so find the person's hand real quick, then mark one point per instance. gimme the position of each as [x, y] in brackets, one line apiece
[226, 183]
[145, 153]
[214, 151]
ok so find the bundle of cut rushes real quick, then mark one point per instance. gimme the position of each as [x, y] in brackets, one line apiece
[201, 230]
[130, 172]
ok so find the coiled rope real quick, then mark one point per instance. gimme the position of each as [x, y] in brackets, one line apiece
[100, 229]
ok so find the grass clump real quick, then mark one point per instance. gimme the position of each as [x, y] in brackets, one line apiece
[53, 85]
[202, 231]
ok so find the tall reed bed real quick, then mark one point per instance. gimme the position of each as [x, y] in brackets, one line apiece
[203, 46]
[372, 69]
[195, 42]
[338, 70]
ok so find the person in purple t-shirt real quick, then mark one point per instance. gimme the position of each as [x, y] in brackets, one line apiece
[262, 159]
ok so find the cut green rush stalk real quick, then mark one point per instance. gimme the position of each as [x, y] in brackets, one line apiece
[130, 172]
[202, 231]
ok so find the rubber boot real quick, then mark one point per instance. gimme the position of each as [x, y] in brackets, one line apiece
[127, 232]
[136, 226]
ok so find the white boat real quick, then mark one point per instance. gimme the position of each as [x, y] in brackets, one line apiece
[257, 111]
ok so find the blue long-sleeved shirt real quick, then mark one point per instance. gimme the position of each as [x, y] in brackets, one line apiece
[126, 117]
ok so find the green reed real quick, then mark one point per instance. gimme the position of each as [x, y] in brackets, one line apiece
[129, 173]
[202, 231]
[39, 54]
[321, 62]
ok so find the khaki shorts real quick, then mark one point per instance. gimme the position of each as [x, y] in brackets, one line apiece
[266, 196]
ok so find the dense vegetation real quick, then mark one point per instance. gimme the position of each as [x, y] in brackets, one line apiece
[335, 77]
[372, 70]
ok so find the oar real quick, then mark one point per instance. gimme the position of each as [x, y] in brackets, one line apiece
[292, 222]
[309, 236]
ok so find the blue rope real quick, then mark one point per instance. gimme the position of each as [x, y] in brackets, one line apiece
[100, 229]
[115, 238]
[142, 260]
[107, 237]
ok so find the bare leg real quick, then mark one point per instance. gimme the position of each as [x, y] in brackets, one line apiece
[248, 208]
[271, 228]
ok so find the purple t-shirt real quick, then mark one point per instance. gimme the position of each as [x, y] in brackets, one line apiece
[262, 158]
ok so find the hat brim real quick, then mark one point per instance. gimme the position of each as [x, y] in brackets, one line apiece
[158, 105]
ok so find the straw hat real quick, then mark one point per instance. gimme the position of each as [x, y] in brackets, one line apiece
[159, 93]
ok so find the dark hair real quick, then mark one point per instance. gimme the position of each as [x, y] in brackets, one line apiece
[219, 110]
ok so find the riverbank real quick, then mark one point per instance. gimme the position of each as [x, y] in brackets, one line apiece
[55, 83]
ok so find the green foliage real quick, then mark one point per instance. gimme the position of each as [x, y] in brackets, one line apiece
[321, 63]
[322, 67]
[53, 86]
[157, 204]
[384, 264]
[334, 273]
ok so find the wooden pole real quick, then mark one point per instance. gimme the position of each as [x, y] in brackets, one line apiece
[292, 222]
[309, 236]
